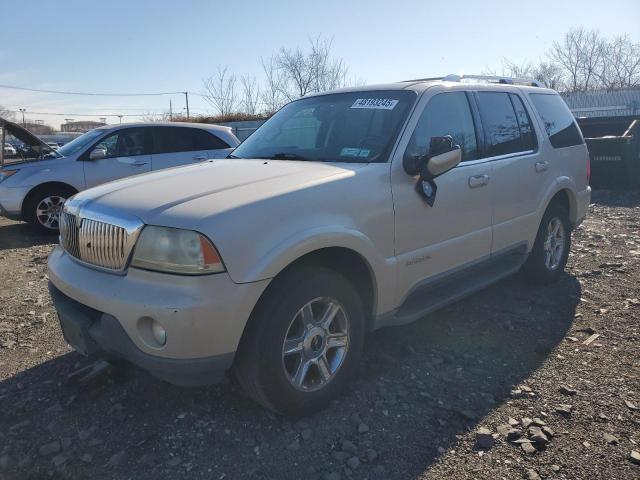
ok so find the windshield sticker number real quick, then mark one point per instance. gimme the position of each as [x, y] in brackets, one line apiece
[375, 103]
[355, 152]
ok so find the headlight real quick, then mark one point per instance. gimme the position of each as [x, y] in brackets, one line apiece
[4, 174]
[174, 250]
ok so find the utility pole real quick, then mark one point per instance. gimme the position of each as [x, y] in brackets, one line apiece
[22, 110]
[186, 97]
[170, 111]
[120, 117]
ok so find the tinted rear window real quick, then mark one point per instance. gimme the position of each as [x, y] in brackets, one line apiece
[502, 133]
[182, 139]
[558, 120]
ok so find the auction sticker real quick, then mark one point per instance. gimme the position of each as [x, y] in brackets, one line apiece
[375, 103]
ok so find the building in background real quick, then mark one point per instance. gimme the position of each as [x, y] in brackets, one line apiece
[80, 126]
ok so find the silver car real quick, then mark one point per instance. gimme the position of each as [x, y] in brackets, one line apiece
[35, 186]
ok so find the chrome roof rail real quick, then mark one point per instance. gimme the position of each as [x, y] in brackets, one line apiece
[481, 78]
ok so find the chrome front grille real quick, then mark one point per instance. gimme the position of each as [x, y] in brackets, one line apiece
[95, 242]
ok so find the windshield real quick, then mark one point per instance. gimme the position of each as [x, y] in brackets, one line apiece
[339, 127]
[79, 143]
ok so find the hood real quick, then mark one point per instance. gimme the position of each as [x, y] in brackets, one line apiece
[186, 195]
[25, 136]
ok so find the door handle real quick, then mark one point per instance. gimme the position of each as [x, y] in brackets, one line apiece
[542, 166]
[200, 158]
[478, 181]
[138, 164]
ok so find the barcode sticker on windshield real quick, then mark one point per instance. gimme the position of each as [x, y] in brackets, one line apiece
[375, 103]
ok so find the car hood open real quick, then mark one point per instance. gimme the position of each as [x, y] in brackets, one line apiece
[24, 136]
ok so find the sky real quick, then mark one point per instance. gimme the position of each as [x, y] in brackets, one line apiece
[167, 46]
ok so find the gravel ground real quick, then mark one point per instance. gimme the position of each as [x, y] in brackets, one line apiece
[513, 382]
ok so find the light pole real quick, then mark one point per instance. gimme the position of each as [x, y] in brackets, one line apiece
[120, 117]
[22, 110]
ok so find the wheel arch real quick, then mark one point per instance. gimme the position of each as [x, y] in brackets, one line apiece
[38, 188]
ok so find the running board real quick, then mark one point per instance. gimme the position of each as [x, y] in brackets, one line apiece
[436, 293]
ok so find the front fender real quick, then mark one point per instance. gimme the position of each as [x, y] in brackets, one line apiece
[308, 241]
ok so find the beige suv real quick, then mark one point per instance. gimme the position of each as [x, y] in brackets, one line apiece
[345, 212]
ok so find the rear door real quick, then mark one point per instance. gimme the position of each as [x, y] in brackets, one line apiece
[175, 146]
[127, 153]
[520, 174]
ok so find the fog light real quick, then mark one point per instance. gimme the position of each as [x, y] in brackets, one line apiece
[159, 333]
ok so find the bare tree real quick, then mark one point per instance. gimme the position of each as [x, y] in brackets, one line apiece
[250, 94]
[6, 113]
[620, 67]
[580, 55]
[220, 91]
[152, 117]
[293, 73]
[271, 94]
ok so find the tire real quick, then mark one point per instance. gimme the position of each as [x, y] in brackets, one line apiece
[539, 268]
[268, 375]
[52, 197]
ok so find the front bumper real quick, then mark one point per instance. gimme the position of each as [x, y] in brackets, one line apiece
[11, 201]
[204, 316]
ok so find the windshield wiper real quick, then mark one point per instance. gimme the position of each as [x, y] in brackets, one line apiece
[288, 156]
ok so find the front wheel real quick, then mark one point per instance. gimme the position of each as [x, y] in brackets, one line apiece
[548, 258]
[43, 208]
[304, 341]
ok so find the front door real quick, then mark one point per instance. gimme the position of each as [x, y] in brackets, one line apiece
[456, 231]
[126, 155]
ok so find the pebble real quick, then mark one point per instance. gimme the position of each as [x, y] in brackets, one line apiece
[349, 446]
[293, 446]
[331, 476]
[174, 461]
[634, 456]
[564, 409]
[380, 471]
[484, 438]
[536, 435]
[504, 429]
[86, 458]
[353, 462]
[513, 422]
[363, 428]
[117, 459]
[528, 448]
[610, 439]
[306, 434]
[340, 456]
[532, 474]
[555, 468]
[49, 448]
[566, 390]
[59, 460]
[372, 455]
[514, 434]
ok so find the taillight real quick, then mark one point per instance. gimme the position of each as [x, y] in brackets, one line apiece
[588, 169]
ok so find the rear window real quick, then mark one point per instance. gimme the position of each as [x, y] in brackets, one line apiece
[558, 120]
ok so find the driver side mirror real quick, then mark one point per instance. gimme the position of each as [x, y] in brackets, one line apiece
[98, 153]
[443, 155]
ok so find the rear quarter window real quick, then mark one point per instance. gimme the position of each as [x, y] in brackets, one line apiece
[557, 119]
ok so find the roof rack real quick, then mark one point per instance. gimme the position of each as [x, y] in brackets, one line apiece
[482, 78]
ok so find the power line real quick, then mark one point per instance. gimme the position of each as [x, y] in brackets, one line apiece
[13, 87]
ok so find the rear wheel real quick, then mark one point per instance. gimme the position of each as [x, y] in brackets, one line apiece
[43, 207]
[550, 251]
[303, 343]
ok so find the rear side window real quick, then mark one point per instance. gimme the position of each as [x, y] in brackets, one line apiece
[206, 141]
[502, 133]
[558, 120]
[527, 134]
[182, 139]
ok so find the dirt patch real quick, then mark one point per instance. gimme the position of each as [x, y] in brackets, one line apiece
[561, 361]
